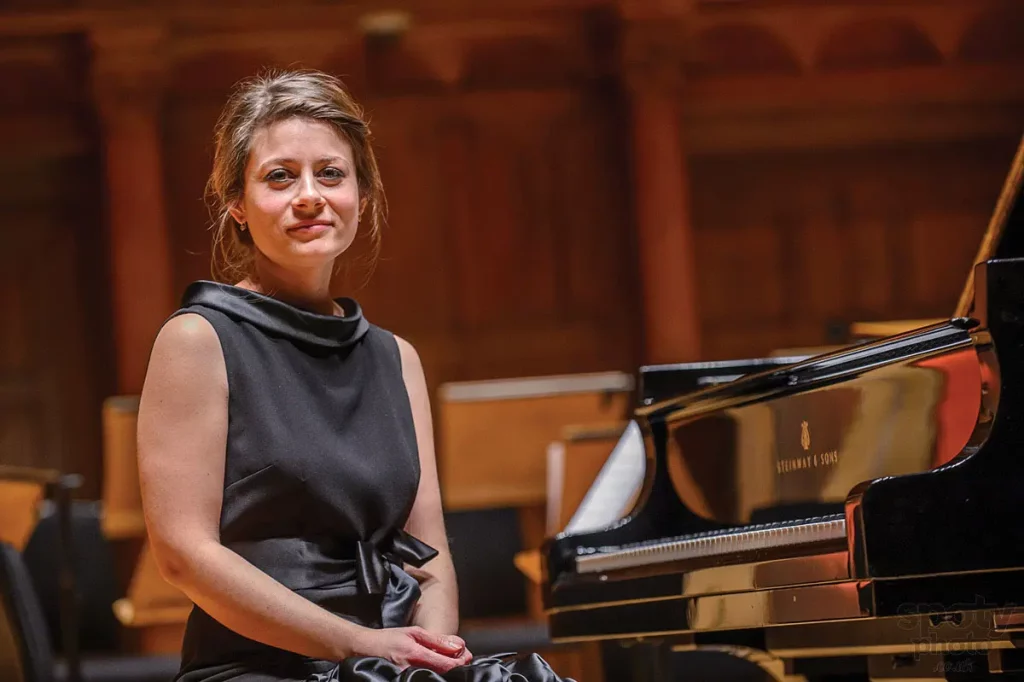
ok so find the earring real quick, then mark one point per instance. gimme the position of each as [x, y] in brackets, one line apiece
[243, 226]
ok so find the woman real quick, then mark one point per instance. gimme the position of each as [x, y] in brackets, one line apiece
[285, 448]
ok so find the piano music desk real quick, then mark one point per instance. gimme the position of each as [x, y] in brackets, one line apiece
[573, 463]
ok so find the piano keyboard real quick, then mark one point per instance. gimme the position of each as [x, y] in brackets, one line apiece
[716, 543]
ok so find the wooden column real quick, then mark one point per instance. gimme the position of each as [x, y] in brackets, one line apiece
[652, 72]
[126, 72]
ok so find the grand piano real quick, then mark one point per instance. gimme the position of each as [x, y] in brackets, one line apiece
[854, 514]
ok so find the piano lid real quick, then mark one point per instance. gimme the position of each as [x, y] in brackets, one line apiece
[1004, 237]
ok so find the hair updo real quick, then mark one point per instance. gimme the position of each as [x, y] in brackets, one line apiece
[259, 102]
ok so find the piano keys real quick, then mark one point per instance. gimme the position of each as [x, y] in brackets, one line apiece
[863, 507]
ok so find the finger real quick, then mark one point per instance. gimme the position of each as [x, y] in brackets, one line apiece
[446, 644]
[428, 658]
[464, 657]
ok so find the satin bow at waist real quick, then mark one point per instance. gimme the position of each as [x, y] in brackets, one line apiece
[373, 570]
[302, 563]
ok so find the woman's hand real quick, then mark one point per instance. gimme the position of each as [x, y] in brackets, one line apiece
[416, 647]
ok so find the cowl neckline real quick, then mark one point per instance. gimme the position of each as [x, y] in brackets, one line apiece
[279, 317]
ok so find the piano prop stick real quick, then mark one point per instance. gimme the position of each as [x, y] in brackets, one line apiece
[860, 511]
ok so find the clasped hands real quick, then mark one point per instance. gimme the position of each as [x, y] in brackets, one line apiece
[415, 647]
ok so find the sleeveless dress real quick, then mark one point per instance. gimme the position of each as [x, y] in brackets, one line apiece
[321, 472]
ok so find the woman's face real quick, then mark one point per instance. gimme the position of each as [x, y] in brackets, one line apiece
[301, 196]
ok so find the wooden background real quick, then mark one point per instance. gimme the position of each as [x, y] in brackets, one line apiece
[841, 162]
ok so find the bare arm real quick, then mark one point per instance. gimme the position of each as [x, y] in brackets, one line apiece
[182, 432]
[437, 610]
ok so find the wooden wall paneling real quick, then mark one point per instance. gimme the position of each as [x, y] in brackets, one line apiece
[412, 285]
[128, 66]
[188, 158]
[498, 260]
[870, 217]
[588, 149]
[993, 35]
[953, 190]
[55, 345]
[876, 42]
[55, 354]
[789, 243]
[818, 281]
[738, 246]
[511, 235]
[524, 245]
[412, 290]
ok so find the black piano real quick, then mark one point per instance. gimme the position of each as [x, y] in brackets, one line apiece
[857, 514]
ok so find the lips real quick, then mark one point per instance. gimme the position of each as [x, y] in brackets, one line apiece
[309, 225]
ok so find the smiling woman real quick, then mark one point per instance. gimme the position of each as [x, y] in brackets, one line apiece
[285, 447]
[260, 173]
[299, 209]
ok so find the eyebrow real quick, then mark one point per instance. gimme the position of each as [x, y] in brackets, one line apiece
[286, 160]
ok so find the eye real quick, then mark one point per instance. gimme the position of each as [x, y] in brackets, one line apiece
[277, 175]
[333, 174]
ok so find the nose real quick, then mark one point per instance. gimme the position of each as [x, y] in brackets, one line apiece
[308, 197]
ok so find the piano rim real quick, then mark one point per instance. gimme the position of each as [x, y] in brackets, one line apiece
[849, 637]
[846, 603]
[807, 570]
[730, 578]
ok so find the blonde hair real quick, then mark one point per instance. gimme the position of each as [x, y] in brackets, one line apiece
[262, 101]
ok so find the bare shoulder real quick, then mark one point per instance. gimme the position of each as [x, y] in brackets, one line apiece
[187, 342]
[186, 362]
[188, 336]
[181, 436]
[412, 371]
[410, 358]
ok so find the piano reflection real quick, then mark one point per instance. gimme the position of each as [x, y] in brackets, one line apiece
[858, 512]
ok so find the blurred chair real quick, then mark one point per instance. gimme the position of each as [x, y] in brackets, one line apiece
[99, 642]
[93, 570]
[58, 596]
[25, 651]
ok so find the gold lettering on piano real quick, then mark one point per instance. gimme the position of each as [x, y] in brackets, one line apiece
[805, 435]
[815, 461]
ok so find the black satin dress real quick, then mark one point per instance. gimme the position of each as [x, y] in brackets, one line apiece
[321, 473]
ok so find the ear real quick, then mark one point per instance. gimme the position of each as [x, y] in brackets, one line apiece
[237, 213]
[362, 206]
